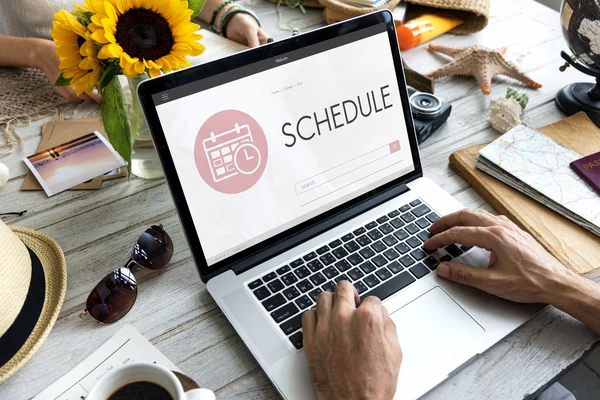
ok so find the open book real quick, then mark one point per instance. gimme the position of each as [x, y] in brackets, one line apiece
[537, 166]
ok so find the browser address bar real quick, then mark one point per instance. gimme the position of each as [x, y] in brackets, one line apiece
[346, 168]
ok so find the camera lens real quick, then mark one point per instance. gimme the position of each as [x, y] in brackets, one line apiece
[425, 104]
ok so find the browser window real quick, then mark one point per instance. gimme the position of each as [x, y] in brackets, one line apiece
[266, 151]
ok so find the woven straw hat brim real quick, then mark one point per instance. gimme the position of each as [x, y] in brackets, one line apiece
[55, 271]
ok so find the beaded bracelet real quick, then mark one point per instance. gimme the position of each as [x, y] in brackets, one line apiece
[231, 13]
[214, 16]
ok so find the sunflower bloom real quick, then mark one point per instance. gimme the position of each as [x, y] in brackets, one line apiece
[144, 35]
[77, 52]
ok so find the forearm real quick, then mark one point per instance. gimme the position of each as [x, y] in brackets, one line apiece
[578, 297]
[207, 11]
[20, 52]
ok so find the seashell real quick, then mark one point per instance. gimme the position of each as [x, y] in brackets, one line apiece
[505, 114]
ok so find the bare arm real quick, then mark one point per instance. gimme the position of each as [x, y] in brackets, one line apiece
[40, 54]
[207, 11]
[241, 28]
[21, 52]
[578, 297]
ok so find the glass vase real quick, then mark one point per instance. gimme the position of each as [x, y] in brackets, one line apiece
[144, 160]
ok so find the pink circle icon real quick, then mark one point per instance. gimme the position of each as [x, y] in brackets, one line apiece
[231, 151]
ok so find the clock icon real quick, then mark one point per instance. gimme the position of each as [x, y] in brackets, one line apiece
[247, 159]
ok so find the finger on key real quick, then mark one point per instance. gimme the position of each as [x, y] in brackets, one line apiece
[464, 217]
[324, 306]
[463, 235]
[345, 296]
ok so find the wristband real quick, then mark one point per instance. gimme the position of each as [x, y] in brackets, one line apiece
[214, 16]
[218, 27]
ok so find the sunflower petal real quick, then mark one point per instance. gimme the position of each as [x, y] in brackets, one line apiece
[68, 63]
[99, 36]
[123, 5]
[129, 71]
[111, 12]
[139, 67]
[86, 64]
[103, 54]
[154, 64]
[109, 26]
[184, 30]
[153, 72]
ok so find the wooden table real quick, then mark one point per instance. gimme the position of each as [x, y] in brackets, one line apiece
[174, 310]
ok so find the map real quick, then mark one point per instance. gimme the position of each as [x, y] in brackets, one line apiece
[536, 165]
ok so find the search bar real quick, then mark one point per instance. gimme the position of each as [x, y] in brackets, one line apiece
[346, 168]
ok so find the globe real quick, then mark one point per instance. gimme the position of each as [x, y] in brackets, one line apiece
[580, 21]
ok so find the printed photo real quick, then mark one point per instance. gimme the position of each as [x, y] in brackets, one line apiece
[69, 164]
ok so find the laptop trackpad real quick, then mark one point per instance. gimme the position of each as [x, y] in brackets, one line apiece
[430, 328]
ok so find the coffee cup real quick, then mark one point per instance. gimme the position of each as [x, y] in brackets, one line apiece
[138, 373]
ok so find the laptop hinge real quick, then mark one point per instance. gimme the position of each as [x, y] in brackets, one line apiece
[314, 230]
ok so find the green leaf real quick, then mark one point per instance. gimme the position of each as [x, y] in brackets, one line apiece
[116, 120]
[196, 6]
[84, 17]
[110, 71]
[62, 81]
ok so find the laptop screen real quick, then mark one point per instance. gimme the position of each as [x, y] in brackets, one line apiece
[267, 146]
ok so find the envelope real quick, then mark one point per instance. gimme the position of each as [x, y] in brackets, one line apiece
[55, 133]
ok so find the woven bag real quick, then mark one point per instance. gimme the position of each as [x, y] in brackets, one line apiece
[337, 11]
[475, 13]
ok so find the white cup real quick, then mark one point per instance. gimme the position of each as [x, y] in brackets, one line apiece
[138, 372]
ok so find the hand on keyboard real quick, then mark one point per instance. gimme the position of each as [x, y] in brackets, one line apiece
[520, 268]
[352, 350]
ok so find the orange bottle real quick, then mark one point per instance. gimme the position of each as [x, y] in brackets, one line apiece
[425, 28]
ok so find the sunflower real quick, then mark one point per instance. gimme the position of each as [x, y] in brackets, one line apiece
[77, 52]
[144, 35]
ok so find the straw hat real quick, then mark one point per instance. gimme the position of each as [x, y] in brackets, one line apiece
[33, 282]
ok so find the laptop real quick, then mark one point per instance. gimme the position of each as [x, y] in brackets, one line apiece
[295, 165]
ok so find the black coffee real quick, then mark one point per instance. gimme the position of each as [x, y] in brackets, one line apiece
[141, 391]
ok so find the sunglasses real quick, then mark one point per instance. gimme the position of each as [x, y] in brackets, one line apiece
[116, 293]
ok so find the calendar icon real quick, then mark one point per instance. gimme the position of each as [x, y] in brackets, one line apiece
[231, 153]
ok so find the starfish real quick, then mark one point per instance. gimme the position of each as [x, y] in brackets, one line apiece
[480, 62]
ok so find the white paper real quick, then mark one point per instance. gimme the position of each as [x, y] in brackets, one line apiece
[399, 12]
[125, 347]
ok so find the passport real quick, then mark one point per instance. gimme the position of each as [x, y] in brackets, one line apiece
[589, 169]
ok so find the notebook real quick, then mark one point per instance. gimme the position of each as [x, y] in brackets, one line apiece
[576, 247]
[537, 166]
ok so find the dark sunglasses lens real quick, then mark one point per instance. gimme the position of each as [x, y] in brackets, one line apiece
[113, 296]
[153, 249]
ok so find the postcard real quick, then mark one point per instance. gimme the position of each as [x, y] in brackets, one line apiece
[79, 160]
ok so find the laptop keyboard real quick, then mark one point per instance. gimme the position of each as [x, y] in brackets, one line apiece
[380, 258]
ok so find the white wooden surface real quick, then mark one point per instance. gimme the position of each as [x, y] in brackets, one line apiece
[175, 311]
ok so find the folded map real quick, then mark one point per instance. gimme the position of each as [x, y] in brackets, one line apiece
[537, 166]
